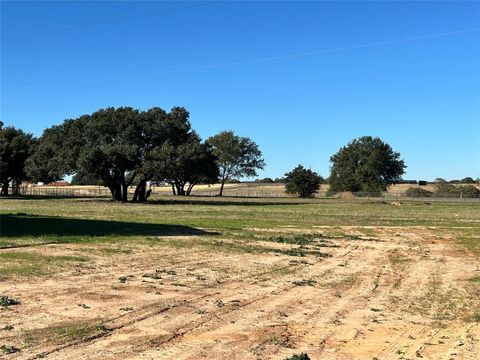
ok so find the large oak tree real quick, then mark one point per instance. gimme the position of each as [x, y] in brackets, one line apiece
[365, 164]
[119, 147]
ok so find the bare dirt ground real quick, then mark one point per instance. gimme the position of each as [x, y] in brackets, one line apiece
[402, 293]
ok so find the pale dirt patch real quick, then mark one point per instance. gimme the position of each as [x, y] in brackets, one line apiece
[368, 300]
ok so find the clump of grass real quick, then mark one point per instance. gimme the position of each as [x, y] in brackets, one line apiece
[397, 259]
[304, 282]
[438, 302]
[8, 301]
[302, 356]
[122, 279]
[296, 239]
[8, 328]
[156, 275]
[476, 317]
[300, 251]
[61, 333]
[9, 349]
[474, 278]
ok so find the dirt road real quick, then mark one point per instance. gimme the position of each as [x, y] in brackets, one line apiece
[402, 293]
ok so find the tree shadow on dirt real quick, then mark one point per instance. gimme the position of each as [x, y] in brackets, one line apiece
[20, 224]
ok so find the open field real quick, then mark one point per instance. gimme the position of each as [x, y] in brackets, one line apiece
[212, 278]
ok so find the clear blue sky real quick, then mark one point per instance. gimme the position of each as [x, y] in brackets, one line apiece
[421, 94]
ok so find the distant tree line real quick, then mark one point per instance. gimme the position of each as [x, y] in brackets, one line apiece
[124, 147]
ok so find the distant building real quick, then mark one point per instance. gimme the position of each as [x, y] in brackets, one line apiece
[59, 183]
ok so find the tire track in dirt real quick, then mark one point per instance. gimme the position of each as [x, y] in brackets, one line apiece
[273, 304]
[144, 313]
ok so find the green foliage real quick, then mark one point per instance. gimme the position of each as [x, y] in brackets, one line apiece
[366, 164]
[296, 239]
[56, 153]
[119, 147]
[15, 148]
[82, 178]
[236, 156]
[303, 182]
[416, 192]
[184, 164]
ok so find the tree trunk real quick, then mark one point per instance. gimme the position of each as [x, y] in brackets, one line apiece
[148, 193]
[180, 188]
[140, 191]
[116, 191]
[221, 188]
[189, 189]
[124, 197]
[4, 191]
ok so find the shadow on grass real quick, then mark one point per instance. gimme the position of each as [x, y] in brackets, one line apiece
[54, 197]
[232, 201]
[14, 225]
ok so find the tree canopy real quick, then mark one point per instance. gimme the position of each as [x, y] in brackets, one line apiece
[123, 146]
[365, 164]
[15, 148]
[236, 156]
[303, 182]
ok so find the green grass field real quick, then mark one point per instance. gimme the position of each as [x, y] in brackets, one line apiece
[25, 221]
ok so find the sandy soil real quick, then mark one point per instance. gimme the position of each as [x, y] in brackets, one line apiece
[401, 294]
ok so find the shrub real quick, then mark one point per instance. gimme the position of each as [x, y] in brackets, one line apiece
[303, 182]
[415, 192]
